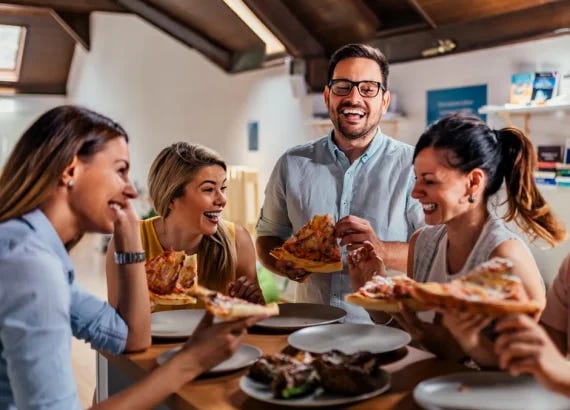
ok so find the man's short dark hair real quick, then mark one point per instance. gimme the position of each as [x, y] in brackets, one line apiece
[360, 51]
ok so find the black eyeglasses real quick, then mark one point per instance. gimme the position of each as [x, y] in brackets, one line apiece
[368, 89]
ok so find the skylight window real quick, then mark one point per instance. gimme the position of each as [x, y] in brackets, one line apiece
[11, 50]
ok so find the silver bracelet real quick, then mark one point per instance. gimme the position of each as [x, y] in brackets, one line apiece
[125, 258]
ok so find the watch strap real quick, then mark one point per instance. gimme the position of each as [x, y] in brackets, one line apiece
[125, 258]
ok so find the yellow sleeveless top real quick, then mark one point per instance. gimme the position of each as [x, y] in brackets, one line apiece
[152, 247]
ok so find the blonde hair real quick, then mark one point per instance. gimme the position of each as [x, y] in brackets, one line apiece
[45, 150]
[171, 171]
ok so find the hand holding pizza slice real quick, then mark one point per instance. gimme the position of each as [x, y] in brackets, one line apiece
[172, 277]
[385, 294]
[314, 248]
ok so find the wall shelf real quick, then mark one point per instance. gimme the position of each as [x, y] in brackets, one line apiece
[507, 112]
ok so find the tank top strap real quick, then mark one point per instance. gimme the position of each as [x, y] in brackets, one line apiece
[425, 249]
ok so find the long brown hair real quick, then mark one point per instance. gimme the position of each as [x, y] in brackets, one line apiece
[169, 174]
[47, 147]
[506, 155]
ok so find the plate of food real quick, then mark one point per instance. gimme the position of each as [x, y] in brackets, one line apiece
[307, 380]
[293, 316]
[244, 356]
[486, 391]
[175, 323]
[349, 338]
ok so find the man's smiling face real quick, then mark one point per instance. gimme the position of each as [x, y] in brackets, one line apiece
[354, 116]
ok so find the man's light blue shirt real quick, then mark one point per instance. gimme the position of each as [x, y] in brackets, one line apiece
[41, 307]
[317, 178]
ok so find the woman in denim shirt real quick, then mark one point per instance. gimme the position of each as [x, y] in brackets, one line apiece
[68, 175]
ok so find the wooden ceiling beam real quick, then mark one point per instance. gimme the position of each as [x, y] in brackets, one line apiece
[298, 41]
[71, 6]
[421, 11]
[179, 31]
[31, 88]
[76, 25]
[519, 26]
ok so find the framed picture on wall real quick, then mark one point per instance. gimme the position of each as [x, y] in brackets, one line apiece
[461, 99]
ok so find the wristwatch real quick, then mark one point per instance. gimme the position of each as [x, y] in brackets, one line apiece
[125, 258]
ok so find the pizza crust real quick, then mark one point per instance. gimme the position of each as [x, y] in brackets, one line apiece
[384, 305]
[307, 265]
[172, 298]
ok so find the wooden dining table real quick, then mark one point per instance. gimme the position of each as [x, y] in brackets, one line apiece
[407, 367]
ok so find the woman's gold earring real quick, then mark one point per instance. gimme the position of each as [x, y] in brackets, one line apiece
[71, 183]
[471, 199]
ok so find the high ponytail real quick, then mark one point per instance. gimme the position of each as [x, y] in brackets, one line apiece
[525, 204]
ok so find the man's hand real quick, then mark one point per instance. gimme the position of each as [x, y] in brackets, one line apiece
[354, 231]
[287, 268]
[363, 263]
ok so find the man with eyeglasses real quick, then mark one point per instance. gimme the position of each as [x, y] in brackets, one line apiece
[359, 175]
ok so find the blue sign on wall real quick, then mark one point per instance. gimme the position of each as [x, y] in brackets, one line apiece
[253, 136]
[464, 99]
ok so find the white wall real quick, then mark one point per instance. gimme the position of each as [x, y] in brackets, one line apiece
[493, 67]
[17, 113]
[162, 91]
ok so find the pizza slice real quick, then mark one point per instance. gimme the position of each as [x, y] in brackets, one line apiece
[314, 248]
[490, 289]
[172, 277]
[229, 308]
[385, 293]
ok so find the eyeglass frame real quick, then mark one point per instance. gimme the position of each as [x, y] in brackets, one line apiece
[357, 85]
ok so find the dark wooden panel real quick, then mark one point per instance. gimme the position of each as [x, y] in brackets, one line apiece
[48, 51]
[523, 25]
[76, 25]
[336, 22]
[454, 11]
[72, 6]
[296, 38]
[394, 14]
[213, 19]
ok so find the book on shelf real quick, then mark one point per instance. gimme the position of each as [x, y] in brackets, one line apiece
[549, 153]
[533, 87]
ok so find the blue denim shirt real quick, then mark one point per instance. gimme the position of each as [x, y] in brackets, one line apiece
[41, 307]
[317, 178]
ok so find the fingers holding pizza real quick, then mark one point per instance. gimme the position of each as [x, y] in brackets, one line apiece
[172, 278]
[363, 264]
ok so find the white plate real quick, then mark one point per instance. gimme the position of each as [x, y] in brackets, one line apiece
[244, 356]
[487, 391]
[175, 323]
[293, 316]
[318, 398]
[349, 338]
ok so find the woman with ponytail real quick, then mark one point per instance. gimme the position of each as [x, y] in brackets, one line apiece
[460, 164]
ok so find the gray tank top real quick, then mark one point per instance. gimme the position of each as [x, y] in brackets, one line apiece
[430, 252]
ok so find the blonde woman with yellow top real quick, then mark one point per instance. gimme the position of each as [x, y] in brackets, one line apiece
[187, 185]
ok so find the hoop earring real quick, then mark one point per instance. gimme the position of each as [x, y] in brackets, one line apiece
[70, 183]
[471, 199]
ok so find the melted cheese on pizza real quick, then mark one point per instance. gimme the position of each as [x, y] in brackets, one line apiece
[315, 241]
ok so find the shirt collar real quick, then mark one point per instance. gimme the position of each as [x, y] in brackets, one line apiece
[375, 144]
[48, 236]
